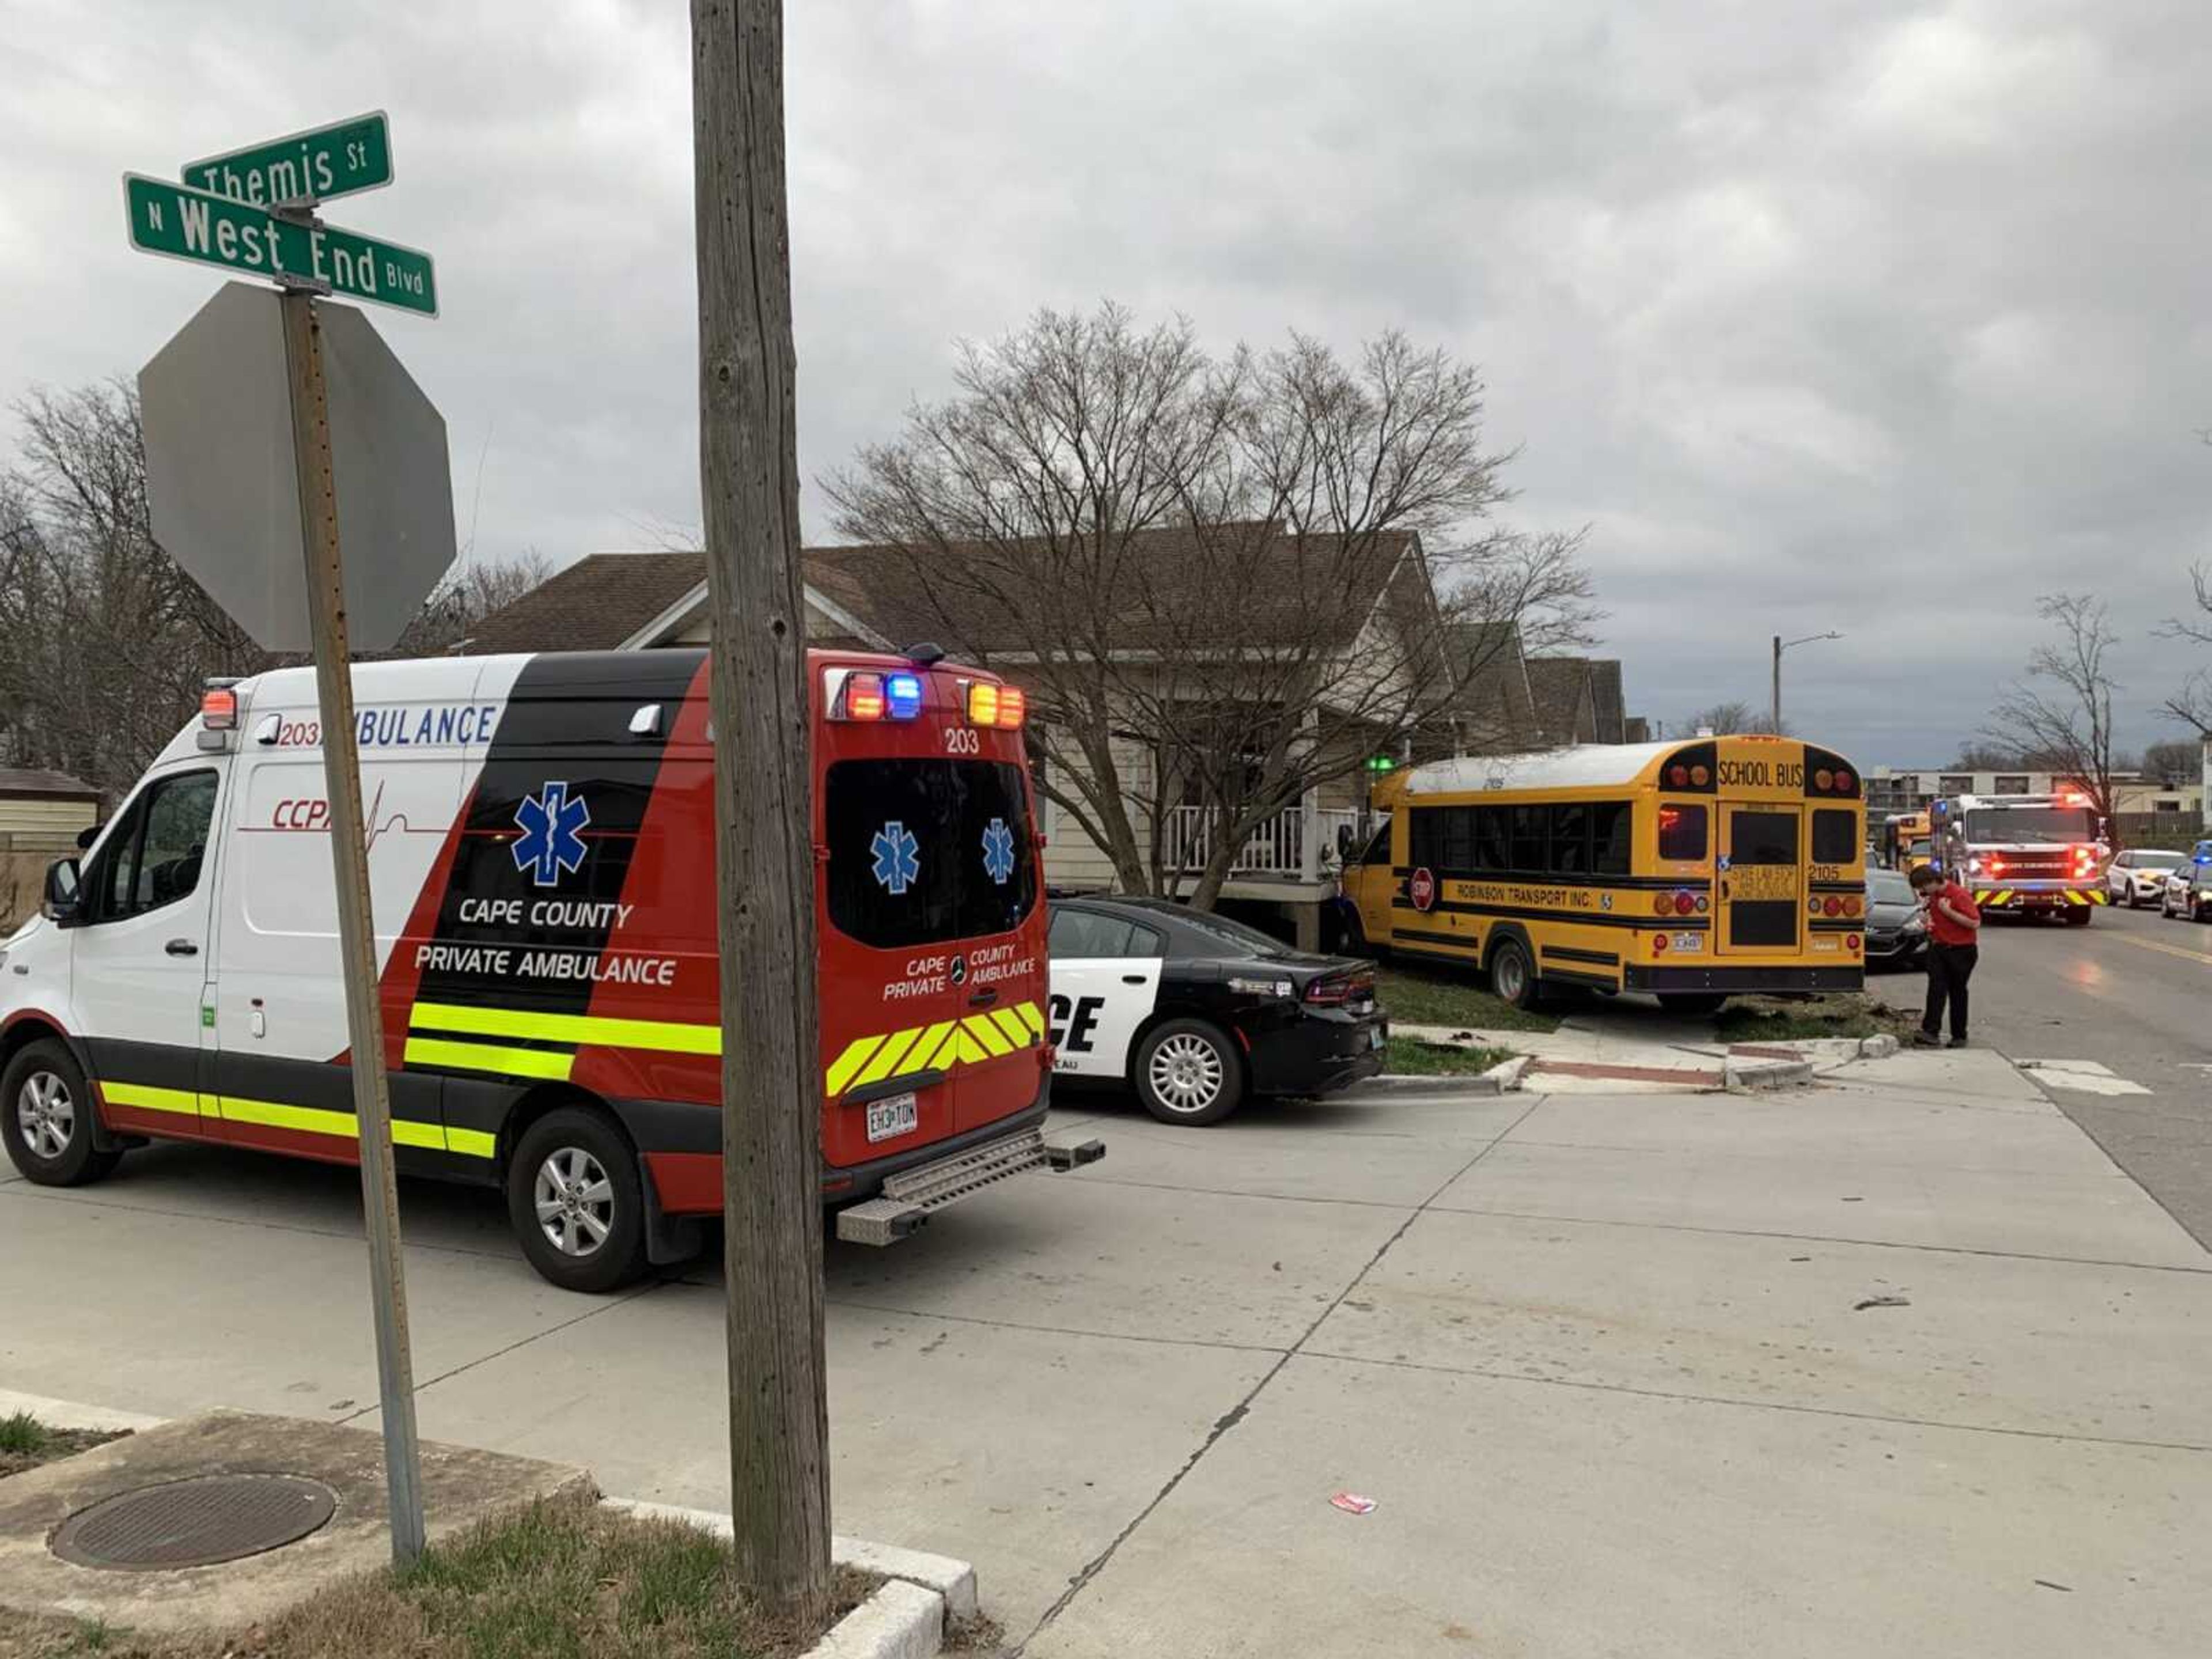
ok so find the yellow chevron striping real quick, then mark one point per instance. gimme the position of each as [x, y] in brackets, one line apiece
[896, 1048]
[984, 1029]
[968, 1041]
[854, 1056]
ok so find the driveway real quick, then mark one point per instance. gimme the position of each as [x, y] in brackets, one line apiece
[1602, 1362]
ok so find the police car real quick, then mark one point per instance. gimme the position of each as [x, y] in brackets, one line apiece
[1195, 1012]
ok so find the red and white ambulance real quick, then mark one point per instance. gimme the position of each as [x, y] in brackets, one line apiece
[542, 858]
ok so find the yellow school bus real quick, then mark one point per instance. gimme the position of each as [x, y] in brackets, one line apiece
[1907, 840]
[1691, 870]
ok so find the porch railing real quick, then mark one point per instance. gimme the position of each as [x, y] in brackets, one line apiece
[1276, 847]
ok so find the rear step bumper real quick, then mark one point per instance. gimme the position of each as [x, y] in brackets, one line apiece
[909, 1197]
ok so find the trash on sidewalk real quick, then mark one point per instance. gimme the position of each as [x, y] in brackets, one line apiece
[1881, 1301]
[1352, 1503]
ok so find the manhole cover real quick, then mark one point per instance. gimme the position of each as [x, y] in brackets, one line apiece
[192, 1523]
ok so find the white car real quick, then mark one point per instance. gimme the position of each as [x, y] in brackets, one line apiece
[2137, 878]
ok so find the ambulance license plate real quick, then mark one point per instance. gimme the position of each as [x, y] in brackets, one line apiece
[899, 1114]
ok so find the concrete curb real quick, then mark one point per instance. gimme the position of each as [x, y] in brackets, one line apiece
[1481, 1085]
[904, 1619]
[1744, 1077]
[1877, 1048]
[68, 1414]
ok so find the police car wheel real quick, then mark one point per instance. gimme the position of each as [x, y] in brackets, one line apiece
[1188, 1072]
[577, 1203]
[47, 1123]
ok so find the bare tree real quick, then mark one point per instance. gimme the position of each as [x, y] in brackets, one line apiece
[2193, 704]
[105, 643]
[2170, 765]
[466, 595]
[2062, 713]
[1731, 719]
[1223, 580]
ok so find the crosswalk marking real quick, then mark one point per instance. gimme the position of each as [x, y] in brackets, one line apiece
[2086, 1077]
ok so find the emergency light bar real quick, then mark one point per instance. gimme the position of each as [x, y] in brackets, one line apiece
[219, 708]
[1001, 706]
[862, 693]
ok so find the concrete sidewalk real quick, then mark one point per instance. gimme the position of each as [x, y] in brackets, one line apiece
[1897, 1360]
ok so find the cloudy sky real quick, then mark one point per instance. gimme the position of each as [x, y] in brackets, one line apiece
[1862, 314]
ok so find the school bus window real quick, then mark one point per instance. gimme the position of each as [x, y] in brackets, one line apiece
[1763, 838]
[1569, 839]
[1610, 822]
[1681, 832]
[1528, 839]
[1835, 837]
[1423, 843]
[1459, 838]
[1378, 848]
[1493, 839]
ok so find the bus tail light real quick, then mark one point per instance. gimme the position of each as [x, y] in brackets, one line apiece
[1658, 944]
[1663, 904]
[1853, 941]
[1853, 905]
[1832, 906]
[1683, 903]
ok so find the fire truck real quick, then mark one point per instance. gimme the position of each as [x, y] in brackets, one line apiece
[2024, 854]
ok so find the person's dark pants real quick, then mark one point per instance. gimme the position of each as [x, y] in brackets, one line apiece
[1949, 967]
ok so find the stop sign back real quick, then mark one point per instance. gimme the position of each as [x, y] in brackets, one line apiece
[1422, 885]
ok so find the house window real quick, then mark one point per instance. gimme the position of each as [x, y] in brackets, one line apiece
[1957, 783]
[2012, 783]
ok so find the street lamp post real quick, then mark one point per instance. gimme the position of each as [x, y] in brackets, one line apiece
[1781, 644]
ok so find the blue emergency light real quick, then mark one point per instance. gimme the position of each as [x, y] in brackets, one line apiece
[903, 693]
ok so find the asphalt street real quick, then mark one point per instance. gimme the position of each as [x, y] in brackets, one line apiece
[2132, 991]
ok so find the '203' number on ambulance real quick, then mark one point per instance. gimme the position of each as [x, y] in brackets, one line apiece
[962, 741]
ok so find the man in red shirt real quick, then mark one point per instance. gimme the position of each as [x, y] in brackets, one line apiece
[1954, 922]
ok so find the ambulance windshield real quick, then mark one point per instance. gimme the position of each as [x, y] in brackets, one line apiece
[924, 850]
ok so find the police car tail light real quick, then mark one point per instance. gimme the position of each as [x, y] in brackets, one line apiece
[219, 708]
[1013, 704]
[864, 697]
[902, 696]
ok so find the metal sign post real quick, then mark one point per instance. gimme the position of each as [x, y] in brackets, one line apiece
[372, 1104]
[215, 408]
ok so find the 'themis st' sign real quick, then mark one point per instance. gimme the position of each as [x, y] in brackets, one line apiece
[206, 228]
[322, 162]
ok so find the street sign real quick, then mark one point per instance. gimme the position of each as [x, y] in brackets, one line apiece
[222, 489]
[198, 226]
[316, 165]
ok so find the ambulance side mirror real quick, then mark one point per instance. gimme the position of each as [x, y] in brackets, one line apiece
[89, 834]
[64, 905]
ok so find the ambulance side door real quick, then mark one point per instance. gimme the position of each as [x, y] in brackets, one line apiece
[1105, 983]
[139, 959]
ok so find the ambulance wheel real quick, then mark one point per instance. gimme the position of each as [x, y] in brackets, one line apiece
[1188, 1072]
[1512, 975]
[46, 1119]
[577, 1203]
[2078, 916]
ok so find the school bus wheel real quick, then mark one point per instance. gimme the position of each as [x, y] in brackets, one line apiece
[46, 1118]
[1512, 974]
[576, 1201]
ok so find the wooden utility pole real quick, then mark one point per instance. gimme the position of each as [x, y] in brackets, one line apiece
[771, 1061]
[372, 1102]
